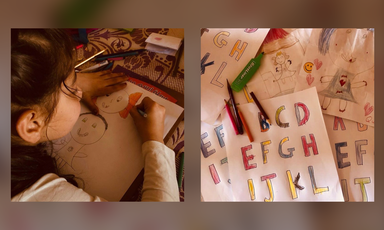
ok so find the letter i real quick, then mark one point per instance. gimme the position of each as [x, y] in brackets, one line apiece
[214, 174]
[344, 188]
[251, 189]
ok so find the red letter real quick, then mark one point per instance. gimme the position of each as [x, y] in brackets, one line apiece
[300, 121]
[340, 121]
[312, 145]
[214, 174]
[247, 158]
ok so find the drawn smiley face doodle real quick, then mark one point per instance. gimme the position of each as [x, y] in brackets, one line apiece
[89, 128]
[308, 67]
[113, 103]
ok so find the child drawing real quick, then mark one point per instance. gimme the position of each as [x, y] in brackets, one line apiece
[87, 130]
[45, 106]
[282, 76]
[118, 102]
[282, 62]
[351, 50]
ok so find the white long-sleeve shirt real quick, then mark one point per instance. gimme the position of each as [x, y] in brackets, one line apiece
[160, 182]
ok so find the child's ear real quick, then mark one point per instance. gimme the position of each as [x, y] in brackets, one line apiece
[29, 126]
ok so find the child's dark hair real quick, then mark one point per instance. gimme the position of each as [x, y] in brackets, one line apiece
[41, 60]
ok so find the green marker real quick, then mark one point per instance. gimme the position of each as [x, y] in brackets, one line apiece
[247, 73]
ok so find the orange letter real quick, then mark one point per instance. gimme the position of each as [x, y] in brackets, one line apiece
[251, 189]
[265, 151]
[239, 51]
[222, 42]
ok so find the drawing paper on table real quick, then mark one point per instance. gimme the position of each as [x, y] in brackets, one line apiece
[215, 180]
[105, 150]
[230, 50]
[340, 63]
[296, 142]
[353, 150]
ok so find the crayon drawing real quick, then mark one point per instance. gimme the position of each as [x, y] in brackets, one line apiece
[291, 161]
[215, 181]
[118, 102]
[224, 54]
[280, 65]
[282, 77]
[342, 71]
[353, 149]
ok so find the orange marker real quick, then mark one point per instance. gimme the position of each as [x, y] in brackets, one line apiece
[249, 134]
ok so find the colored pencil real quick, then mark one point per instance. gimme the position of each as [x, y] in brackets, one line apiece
[181, 170]
[94, 67]
[90, 58]
[142, 113]
[231, 117]
[122, 54]
[260, 107]
[236, 113]
[249, 134]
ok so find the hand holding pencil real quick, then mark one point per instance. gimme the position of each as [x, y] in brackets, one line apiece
[151, 127]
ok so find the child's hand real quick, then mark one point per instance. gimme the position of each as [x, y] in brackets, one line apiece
[99, 84]
[150, 128]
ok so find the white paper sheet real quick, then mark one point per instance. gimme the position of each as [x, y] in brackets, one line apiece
[260, 170]
[280, 65]
[230, 50]
[340, 63]
[215, 179]
[105, 151]
[353, 150]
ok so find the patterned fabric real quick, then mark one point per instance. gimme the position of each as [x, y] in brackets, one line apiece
[157, 67]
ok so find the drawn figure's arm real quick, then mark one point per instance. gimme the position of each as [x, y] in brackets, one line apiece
[326, 79]
[359, 84]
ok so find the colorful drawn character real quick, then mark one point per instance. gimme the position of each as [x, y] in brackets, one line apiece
[118, 102]
[308, 67]
[88, 129]
[351, 59]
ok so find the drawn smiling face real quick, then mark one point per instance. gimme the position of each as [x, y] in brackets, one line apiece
[352, 49]
[113, 103]
[89, 128]
[280, 59]
[308, 67]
